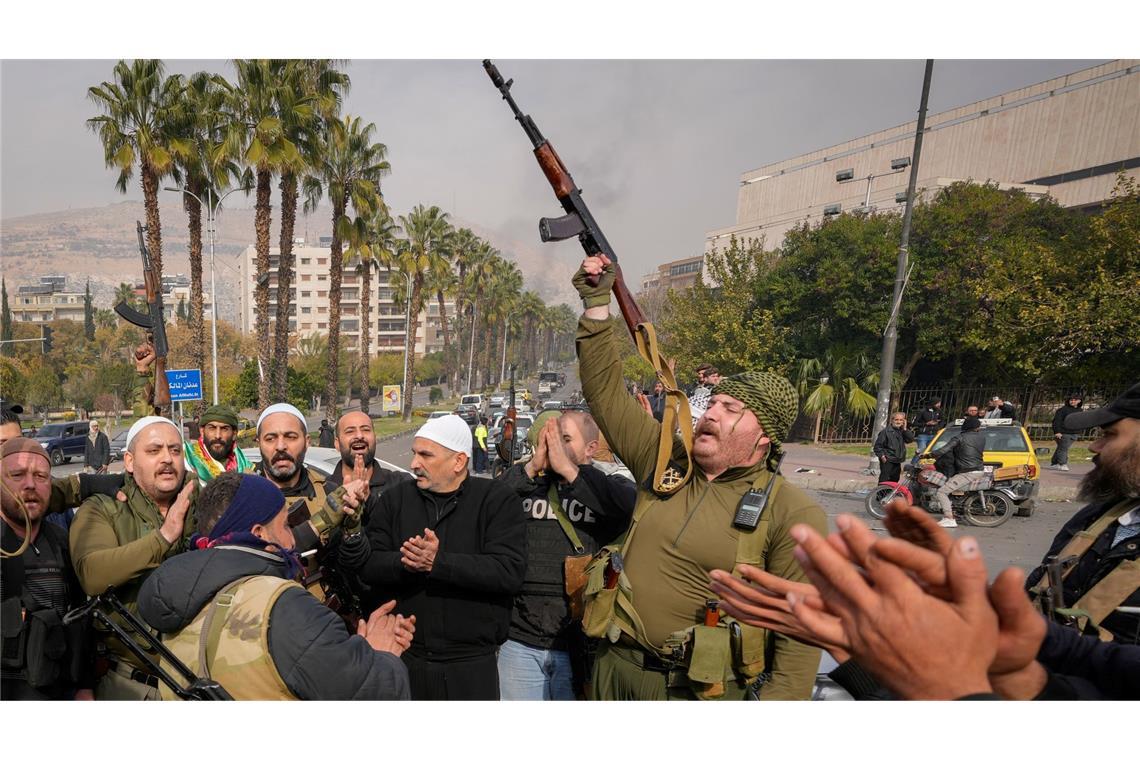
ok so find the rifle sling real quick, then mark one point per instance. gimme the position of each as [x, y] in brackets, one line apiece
[677, 414]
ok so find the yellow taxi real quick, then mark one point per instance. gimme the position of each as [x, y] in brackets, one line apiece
[1007, 445]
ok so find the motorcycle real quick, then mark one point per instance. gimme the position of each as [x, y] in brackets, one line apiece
[987, 505]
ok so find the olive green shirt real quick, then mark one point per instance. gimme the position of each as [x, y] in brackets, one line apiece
[115, 543]
[678, 540]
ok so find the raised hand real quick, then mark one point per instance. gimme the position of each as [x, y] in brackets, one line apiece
[385, 632]
[175, 520]
[418, 553]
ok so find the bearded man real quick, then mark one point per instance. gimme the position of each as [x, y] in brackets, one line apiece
[215, 450]
[1105, 535]
[648, 597]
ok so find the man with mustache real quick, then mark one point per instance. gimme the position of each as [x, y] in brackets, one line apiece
[451, 549]
[356, 442]
[215, 450]
[1105, 535]
[319, 511]
[648, 600]
[39, 586]
[117, 543]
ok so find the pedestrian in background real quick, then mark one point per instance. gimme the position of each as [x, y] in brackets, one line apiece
[1060, 460]
[96, 450]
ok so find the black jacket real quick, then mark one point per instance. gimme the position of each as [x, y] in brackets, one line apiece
[599, 507]
[463, 606]
[657, 405]
[97, 454]
[929, 414]
[963, 454]
[892, 442]
[314, 653]
[1062, 413]
[1084, 667]
[1100, 559]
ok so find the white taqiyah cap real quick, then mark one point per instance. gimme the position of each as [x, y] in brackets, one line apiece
[451, 432]
[147, 422]
[287, 409]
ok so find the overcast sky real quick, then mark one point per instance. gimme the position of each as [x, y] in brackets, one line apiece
[657, 146]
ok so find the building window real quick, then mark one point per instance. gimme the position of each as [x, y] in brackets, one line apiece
[322, 262]
[304, 262]
[306, 294]
[306, 309]
[322, 277]
[306, 278]
[322, 310]
[322, 294]
[322, 325]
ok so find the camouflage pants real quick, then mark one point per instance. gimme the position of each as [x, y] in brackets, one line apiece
[963, 481]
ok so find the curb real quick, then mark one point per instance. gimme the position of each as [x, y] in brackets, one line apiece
[855, 485]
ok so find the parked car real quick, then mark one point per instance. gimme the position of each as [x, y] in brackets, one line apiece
[440, 413]
[497, 402]
[63, 440]
[555, 405]
[469, 412]
[118, 445]
[474, 399]
[323, 460]
[1007, 444]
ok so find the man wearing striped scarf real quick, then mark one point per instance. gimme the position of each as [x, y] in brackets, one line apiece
[215, 450]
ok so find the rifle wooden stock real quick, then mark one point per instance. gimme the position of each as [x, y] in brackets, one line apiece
[555, 171]
[161, 385]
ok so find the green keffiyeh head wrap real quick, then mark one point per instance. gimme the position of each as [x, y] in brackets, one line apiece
[771, 398]
[220, 413]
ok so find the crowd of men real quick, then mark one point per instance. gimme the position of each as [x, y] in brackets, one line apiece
[693, 572]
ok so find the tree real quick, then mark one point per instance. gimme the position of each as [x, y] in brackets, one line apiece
[350, 164]
[140, 106]
[5, 320]
[441, 280]
[308, 103]
[180, 312]
[722, 323]
[377, 249]
[88, 313]
[424, 229]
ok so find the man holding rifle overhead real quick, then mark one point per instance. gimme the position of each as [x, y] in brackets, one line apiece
[713, 501]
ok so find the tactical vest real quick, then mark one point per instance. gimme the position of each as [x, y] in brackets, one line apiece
[1110, 591]
[228, 641]
[704, 655]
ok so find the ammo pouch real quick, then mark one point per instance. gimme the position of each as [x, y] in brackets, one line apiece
[600, 620]
[574, 582]
[37, 643]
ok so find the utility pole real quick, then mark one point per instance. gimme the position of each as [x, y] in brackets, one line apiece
[890, 335]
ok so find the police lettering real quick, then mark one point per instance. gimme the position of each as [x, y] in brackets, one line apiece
[539, 509]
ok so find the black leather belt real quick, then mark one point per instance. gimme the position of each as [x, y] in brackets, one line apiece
[127, 670]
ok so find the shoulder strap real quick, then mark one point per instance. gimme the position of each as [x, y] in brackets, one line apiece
[1100, 601]
[1083, 540]
[555, 503]
[213, 624]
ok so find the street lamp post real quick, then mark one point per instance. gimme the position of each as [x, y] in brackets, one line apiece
[211, 229]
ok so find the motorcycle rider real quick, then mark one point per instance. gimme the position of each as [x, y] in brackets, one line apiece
[961, 462]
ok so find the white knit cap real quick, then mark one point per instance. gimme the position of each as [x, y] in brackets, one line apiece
[450, 431]
[147, 422]
[288, 409]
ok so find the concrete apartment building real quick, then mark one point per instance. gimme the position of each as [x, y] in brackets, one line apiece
[673, 275]
[46, 302]
[310, 302]
[1066, 138]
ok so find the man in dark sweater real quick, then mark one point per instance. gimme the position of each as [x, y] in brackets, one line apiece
[1064, 438]
[890, 448]
[571, 509]
[451, 550]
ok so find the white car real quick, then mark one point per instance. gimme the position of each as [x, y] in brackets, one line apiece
[497, 402]
[441, 413]
[323, 460]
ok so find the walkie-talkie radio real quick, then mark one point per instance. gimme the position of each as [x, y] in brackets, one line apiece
[753, 503]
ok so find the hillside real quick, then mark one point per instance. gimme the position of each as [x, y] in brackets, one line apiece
[100, 245]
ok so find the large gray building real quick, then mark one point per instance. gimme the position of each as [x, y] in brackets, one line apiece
[1066, 138]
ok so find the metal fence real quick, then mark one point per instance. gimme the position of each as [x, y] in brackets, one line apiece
[1035, 405]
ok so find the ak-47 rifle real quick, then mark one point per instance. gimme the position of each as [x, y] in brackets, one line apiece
[578, 221]
[153, 322]
[196, 689]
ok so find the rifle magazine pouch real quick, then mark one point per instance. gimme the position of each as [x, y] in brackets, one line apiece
[598, 617]
[12, 626]
[47, 645]
[710, 661]
[574, 582]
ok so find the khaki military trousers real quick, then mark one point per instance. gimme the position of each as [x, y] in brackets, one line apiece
[626, 673]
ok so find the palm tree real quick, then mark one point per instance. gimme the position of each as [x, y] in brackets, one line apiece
[503, 290]
[140, 106]
[351, 164]
[476, 266]
[204, 166]
[310, 97]
[371, 242]
[441, 280]
[463, 245]
[257, 134]
[425, 230]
